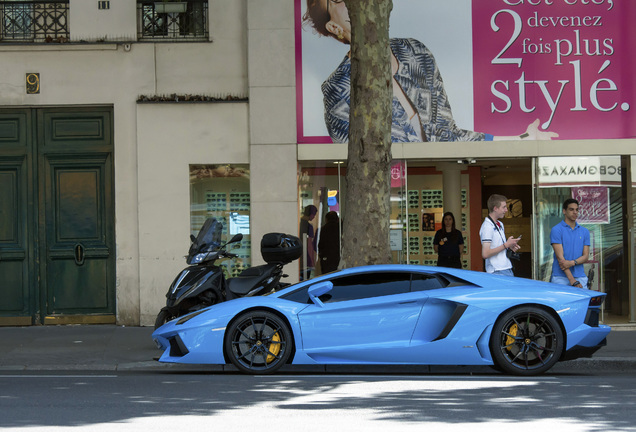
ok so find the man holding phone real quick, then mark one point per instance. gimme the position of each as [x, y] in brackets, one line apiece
[571, 244]
[493, 238]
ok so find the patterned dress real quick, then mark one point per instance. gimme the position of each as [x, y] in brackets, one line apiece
[422, 84]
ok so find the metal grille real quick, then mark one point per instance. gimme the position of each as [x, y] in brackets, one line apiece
[34, 21]
[187, 20]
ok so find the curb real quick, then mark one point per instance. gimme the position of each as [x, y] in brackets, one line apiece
[580, 365]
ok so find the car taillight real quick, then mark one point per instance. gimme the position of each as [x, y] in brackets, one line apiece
[597, 301]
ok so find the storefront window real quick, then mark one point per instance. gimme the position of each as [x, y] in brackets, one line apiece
[416, 206]
[596, 183]
[223, 192]
[401, 202]
[320, 184]
[417, 209]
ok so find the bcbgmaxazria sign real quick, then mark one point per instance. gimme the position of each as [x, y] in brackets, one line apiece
[578, 171]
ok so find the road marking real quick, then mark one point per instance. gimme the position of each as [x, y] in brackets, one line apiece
[58, 376]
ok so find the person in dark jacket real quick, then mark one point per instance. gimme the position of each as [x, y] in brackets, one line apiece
[449, 243]
[307, 229]
[329, 243]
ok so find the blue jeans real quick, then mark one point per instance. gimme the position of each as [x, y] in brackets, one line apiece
[562, 280]
[507, 272]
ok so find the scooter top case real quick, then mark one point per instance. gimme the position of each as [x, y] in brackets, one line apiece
[277, 249]
[280, 248]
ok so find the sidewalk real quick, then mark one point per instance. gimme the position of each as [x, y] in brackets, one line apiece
[118, 348]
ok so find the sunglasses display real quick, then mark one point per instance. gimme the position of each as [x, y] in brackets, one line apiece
[414, 222]
[432, 198]
[216, 201]
[427, 245]
[414, 245]
[413, 198]
[239, 201]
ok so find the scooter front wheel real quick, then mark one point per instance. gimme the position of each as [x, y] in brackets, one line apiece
[163, 317]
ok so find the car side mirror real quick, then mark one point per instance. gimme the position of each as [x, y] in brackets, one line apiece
[316, 290]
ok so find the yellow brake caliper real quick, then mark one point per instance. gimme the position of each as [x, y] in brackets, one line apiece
[512, 332]
[273, 348]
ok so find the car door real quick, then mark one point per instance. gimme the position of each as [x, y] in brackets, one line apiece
[366, 317]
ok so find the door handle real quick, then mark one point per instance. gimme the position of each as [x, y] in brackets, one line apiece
[78, 253]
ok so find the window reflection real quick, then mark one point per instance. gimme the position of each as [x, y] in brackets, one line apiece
[595, 183]
[223, 192]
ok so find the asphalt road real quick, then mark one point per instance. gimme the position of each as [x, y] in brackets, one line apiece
[164, 400]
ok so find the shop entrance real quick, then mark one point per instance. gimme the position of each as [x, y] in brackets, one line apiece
[596, 183]
[57, 256]
[424, 190]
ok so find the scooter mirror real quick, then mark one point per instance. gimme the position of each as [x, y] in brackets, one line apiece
[192, 238]
[237, 238]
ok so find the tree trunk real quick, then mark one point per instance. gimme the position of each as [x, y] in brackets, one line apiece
[367, 204]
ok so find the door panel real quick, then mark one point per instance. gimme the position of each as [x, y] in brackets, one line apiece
[375, 329]
[76, 129]
[78, 254]
[12, 252]
[14, 243]
[56, 216]
[75, 162]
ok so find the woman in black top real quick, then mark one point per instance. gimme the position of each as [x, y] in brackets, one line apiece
[449, 243]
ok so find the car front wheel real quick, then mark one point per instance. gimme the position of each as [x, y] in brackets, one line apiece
[258, 342]
[526, 341]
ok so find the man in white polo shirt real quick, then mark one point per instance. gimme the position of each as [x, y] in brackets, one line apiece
[493, 238]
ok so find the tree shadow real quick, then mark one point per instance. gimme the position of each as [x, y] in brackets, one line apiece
[598, 402]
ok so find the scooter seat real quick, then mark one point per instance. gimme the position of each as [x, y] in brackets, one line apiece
[249, 279]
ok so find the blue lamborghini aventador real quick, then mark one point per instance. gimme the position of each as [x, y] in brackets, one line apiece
[394, 314]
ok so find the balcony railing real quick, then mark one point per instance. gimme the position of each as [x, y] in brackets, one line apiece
[34, 21]
[170, 20]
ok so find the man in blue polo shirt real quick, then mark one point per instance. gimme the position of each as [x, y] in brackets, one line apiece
[571, 244]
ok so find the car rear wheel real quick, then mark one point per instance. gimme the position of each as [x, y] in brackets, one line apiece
[258, 342]
[526, 341]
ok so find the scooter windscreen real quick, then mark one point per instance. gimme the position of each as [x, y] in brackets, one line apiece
[208, 239]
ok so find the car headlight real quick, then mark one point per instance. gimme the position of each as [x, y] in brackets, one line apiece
[189, 316]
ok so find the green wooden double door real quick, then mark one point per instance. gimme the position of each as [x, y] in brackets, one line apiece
[57, 245]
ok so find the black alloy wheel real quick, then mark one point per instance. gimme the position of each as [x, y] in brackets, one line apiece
[258, 342]
[526, 341]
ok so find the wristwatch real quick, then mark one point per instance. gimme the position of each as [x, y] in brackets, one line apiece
[575, 263]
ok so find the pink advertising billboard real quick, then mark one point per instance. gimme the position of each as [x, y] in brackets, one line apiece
[479, 70]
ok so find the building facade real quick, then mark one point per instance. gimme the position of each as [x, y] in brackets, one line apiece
[124, 125]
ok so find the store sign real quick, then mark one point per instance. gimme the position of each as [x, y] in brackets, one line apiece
[398, 174]
[500, 65]
[395, 239]
[573, 171]
[561, 61]
[593, 204]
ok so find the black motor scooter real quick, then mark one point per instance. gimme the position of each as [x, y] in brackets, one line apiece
[203, 283]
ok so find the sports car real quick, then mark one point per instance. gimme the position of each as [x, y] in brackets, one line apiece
[394, 314]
